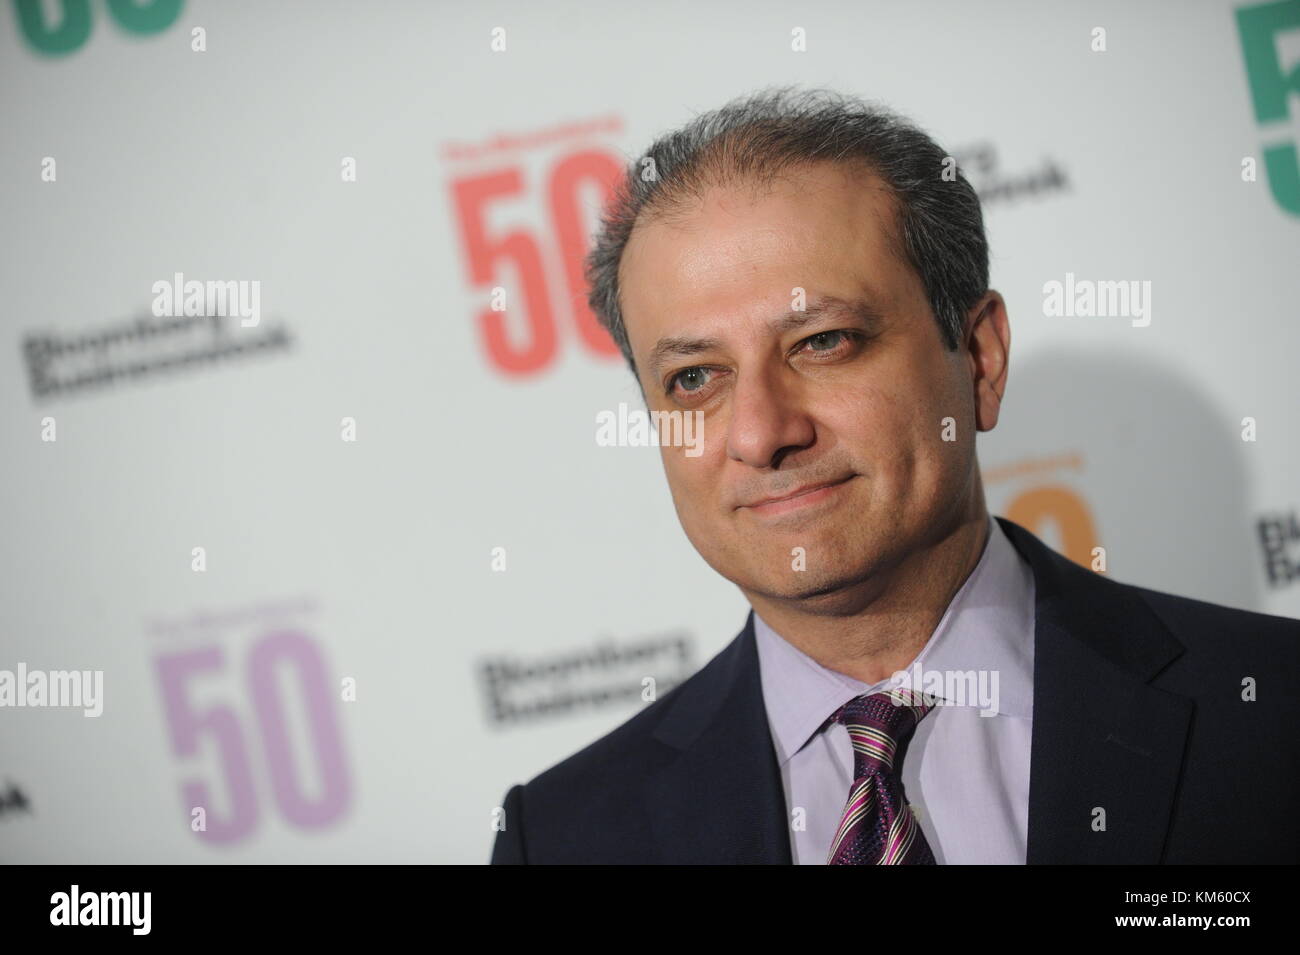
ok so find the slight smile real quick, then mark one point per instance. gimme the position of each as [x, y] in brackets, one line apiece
[802, 498]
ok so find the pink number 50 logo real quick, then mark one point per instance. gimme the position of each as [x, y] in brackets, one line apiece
[294, 652]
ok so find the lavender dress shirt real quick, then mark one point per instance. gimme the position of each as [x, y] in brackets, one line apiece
[966, 775]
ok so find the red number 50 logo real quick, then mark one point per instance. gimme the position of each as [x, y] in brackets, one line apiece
[534, 343]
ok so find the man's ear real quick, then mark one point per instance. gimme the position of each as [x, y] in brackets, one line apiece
[988, 342]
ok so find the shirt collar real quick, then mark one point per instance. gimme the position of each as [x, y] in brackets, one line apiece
[989, 625]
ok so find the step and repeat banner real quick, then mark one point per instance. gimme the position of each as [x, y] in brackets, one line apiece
[310, 549]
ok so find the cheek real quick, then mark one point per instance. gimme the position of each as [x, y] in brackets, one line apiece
[882, 426]
[943, 437]
[896, 436]
[932, 395]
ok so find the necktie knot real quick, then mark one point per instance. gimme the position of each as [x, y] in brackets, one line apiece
[878, 724]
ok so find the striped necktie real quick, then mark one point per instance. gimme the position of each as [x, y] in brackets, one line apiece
[878, 827]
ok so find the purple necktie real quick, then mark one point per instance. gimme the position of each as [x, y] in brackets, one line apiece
[878, 827]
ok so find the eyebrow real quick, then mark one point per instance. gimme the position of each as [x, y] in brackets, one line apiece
[858, 310]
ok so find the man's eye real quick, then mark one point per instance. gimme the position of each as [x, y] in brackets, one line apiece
[831, 340]
[694, 379]
[691, 379]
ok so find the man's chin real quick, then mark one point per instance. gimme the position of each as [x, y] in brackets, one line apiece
[830, 591]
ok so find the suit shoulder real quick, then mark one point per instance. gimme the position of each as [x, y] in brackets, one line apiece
[631, 741]
[631, 749]
[1198, 620]
[1220, 641]
[592, 805]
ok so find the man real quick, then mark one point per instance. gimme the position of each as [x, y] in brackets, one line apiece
[810, 275]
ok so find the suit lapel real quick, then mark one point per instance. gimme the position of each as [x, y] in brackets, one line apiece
[721, 800]
[1107, 748]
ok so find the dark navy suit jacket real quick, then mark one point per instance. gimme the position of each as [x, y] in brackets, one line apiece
[1137, 709]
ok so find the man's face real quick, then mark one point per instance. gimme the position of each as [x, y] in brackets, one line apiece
[795, 398]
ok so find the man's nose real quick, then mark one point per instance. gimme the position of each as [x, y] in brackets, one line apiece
[767, 416]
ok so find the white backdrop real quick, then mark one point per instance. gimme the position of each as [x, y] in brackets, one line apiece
[320, 687]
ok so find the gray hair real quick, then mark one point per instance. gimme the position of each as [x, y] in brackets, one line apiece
[755, 139]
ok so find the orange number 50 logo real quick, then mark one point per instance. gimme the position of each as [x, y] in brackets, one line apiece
[1063, 507]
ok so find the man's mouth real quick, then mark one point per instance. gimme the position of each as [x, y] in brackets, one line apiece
[801, 497]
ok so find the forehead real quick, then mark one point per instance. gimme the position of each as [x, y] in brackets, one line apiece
[739, 249]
